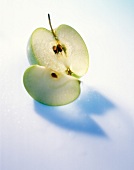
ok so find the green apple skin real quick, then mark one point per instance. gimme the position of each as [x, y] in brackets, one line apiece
[48, 89]
[30, 53]
[75, 57]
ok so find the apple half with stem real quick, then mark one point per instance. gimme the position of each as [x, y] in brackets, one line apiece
[59, 57]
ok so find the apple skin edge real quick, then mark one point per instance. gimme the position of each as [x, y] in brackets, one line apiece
[30, 54]
[50, 90]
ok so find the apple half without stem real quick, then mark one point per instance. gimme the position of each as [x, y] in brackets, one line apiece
[73, 54]
[50, 87]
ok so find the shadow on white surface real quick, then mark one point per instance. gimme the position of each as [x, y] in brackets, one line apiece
[78, 116]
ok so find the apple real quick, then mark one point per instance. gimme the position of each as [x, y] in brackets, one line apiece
[58, 58]
[50, 87]
[60, 49]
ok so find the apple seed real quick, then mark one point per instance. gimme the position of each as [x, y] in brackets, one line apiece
[54, 75]
[57, 49]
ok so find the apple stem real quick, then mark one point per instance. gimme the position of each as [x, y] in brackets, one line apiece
[52, 27]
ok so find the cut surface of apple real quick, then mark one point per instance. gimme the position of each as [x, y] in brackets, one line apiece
[73, 55]
[50, 87]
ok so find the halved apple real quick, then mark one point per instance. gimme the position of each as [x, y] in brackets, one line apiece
[61, 49]
[50, 87]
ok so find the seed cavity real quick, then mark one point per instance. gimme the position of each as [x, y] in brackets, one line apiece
[57, 49]
[54, 75]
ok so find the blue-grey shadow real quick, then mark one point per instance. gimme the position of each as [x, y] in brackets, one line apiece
[77, 116]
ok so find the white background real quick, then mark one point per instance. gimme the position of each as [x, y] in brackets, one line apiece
[96, 132]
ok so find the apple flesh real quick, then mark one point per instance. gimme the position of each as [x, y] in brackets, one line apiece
[73, 55]
[58, 58]
[49, 87]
